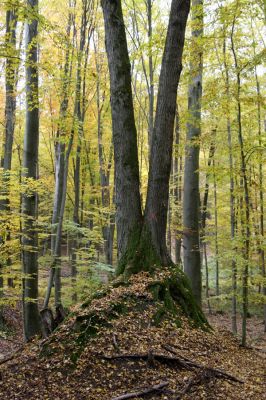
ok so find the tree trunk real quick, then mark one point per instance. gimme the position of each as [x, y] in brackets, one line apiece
[244, 179]
[217, 288]
[10, 110]
[148, 244]
[31, 318]
[192, 258]
[60, 173]
[143, 246]
[151, 75]
[177, 192]
[127, 198]
[104, 171]
[79, 121]
[162, 138]
[232, 189]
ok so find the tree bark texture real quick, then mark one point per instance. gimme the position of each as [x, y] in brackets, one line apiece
[162, 138]
[192, 258]
[31, 319]
[150, 236]
[127, 198]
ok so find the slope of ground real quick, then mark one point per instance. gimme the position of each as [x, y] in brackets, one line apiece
[116, 345]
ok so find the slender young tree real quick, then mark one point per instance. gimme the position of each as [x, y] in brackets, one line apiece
[31, 315]
[12, 63]
[232, 185]
[61, 168]
[191, 199]
[245, 219]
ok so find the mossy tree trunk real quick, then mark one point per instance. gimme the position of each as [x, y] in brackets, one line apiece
[142, 238]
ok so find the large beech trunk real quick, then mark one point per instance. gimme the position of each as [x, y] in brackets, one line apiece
[31, 318]
[142, 239]
[191, 203]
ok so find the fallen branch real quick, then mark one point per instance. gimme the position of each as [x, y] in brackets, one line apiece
[147, 357]
[153, 389]
[217, 373]
[11, 356]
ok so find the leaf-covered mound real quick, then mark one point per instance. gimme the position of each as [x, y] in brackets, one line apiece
[131, 339]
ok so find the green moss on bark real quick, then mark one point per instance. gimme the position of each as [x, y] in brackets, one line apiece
[173, 292]
[140, 254]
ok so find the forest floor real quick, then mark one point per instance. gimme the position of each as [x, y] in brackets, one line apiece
[132, 355]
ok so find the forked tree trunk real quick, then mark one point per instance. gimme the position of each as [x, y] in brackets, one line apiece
[32, 325]
[142, 244]
[192, 258]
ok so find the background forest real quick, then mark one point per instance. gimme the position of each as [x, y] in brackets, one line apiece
[77, 242]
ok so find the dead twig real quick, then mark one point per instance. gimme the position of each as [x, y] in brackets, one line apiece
[202, 376]
[153, 389]
[11, 356]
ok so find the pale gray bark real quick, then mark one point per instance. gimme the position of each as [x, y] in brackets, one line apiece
[192, 258]
[151, 74]
[105, 169]
[232, 190]
[177, 191]
[12, 64]
[217, 272]
[31, 320]
[61, 165]
[245, 220]
[79, 115]
[261, 194]
[203, 221]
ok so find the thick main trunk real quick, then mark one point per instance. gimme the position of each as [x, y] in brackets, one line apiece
[192, 259]
[30, 200]
[155, 218]
[127, 198]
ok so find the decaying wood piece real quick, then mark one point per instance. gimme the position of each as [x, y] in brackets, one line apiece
[48, 322]
[153, 389]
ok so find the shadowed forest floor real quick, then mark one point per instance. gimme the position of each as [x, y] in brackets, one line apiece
[130, 354]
